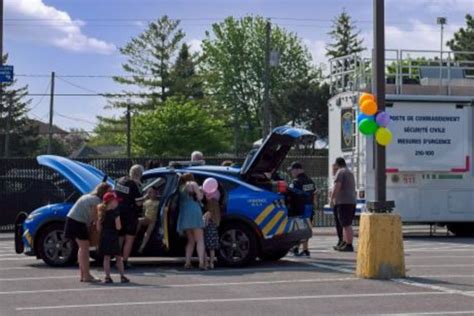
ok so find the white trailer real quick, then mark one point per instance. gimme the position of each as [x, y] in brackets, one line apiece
[429, 163]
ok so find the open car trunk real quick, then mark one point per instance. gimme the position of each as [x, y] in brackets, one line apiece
[267, 159]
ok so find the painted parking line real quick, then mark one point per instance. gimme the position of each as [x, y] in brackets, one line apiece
[413, 282]
[18, 259]
[38, 278]
[337, 267]
[461, 265]
[231, 300]
[193, 285]
[430, 313]
[441, 276]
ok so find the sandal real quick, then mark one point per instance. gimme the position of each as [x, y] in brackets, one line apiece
[124, 279]
[203, 267]
[92, 279]
[108, 280]
[188, 266]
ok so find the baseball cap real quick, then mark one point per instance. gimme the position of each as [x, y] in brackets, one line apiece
[295, 165]
[110, 196]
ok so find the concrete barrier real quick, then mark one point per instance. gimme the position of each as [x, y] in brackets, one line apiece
[380, 247]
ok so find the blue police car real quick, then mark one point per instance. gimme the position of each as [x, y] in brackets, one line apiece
[256, 222]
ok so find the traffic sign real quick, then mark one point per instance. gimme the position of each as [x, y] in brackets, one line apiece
[6, 74]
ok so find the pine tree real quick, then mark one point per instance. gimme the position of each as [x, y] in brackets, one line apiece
[23, 134]
[345, 36]
[184, 80]
[149, 59]
[463, 40]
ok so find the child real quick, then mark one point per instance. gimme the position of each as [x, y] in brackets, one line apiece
[151, 207]
[212, 219]
[109, 225]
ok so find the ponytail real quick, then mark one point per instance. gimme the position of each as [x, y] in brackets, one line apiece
[101, 209]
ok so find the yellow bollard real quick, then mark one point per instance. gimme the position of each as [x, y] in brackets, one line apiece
[380, 247]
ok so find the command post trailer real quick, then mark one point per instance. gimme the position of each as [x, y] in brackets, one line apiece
[429, 162]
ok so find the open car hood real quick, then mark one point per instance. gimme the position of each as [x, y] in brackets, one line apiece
[269, 157]
[84, 177]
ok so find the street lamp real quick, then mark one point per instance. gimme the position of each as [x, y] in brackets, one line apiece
[441, 21]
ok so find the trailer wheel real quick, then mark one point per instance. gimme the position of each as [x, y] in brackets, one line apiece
[462, 229]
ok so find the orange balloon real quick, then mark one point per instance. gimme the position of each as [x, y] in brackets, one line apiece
[366, 96]
[368, 107]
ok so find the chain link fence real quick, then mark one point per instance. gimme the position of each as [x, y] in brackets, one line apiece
[26, 186]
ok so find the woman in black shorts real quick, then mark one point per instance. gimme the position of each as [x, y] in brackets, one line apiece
[79, 219]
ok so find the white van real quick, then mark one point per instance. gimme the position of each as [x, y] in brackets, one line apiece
[429, 163]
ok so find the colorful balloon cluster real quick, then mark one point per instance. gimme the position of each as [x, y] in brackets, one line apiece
[373, 122]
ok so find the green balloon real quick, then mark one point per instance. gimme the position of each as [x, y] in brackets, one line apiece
[368, 127]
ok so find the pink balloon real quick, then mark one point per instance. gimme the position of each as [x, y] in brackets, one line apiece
[210, 185]
[213, 196]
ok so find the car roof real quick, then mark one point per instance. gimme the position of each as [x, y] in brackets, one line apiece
[210, 171]
[230, 171]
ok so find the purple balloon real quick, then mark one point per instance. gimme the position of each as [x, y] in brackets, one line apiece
[382, 119]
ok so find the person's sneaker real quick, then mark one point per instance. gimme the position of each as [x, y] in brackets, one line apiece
[339, 245]
[346, 248]
[295, 251]
[304, 253]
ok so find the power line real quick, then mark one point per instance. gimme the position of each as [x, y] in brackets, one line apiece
[42, 97]
[76, 85]
[75, 118]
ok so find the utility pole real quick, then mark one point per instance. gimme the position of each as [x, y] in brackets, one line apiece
[266, 95]
[51, 114]
[378, 87]
[129, 131]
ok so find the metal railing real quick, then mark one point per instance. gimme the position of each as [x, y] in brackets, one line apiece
[407, 72]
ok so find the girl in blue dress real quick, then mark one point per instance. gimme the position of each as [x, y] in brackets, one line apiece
[190, 220]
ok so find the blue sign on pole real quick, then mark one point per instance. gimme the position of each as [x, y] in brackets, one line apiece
[6, 74]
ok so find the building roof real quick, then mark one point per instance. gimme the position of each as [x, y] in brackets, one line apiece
[43, 128]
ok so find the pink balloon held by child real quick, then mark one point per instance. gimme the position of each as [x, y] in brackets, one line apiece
[210, 189]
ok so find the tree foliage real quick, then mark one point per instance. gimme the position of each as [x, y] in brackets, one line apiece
[177, 128]
[24, 139]
[346, 38]
[463, 40]
[304, 103]
[149, 58]
[184, 80]
[234, 63]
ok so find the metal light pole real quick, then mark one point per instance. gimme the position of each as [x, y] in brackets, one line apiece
[441, 21]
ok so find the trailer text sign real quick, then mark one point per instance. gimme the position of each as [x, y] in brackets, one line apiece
[427, 137]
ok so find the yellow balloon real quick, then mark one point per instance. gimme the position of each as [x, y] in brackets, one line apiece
[368, 107]
[383, 136]
[366, 96]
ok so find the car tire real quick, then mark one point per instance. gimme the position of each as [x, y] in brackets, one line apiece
[238, 245]
[462, 229]
[274, 255]
[54, 248]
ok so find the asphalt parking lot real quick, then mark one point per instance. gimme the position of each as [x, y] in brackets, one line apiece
[440, 282]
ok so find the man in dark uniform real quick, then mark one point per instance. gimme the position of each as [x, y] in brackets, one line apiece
[301, 193]
[128, 189]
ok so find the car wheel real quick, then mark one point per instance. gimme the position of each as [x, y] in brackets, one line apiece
[274, 255]
[238, 245]
[462, 229]
[54, 248]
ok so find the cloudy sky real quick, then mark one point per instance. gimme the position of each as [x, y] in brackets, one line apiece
[82, 37]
